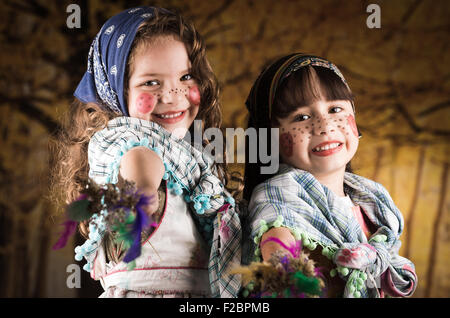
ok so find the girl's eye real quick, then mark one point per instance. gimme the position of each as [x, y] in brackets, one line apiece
[151, 83]
[186, 77]
[301, 117]
[335, 109]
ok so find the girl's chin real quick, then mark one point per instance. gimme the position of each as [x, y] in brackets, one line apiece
[325, 170]
[179, 130]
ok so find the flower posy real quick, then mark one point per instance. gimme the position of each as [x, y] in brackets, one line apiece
[123, 209]
[285, 275]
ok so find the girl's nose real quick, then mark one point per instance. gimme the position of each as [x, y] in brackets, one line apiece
[171, 96]
[323, 126]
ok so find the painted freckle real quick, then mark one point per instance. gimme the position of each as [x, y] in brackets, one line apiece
[286, 142]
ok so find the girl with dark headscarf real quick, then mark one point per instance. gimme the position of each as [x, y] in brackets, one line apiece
[349, 223]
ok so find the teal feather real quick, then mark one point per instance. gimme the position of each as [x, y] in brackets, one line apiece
[306, 284]
[79, 210]
[124, 231]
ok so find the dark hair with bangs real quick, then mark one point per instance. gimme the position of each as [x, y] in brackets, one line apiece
[304, 87]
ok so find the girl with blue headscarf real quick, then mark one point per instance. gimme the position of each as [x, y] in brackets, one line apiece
[147, 79]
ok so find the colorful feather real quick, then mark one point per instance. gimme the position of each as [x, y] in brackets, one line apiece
[78, 210]
[125, 218]
[141, 222]
[285, 275]
[69, 229]
[294, 249]
[123, 233]
[308, 285]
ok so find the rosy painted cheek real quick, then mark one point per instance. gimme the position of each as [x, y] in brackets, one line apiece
[194, 95]
[287, 144]
[145, 103]
[352, 123]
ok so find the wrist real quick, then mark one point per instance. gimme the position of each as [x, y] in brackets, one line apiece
[276, 239]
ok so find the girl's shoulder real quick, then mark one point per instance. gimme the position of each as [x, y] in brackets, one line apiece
[288, 175]
[289, 182]
[120, 132]
[362, 183]
[120, 127]
[108, 146]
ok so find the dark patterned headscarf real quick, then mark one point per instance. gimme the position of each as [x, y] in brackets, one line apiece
[260, 101]
[103, 82]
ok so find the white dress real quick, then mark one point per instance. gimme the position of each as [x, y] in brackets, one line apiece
[173, 260]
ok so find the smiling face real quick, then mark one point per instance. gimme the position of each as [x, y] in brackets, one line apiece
[320, 138]
[161, 88]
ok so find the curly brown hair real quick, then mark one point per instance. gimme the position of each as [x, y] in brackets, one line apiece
[69, 146]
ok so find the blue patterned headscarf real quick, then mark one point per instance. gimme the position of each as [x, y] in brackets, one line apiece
[103, 82]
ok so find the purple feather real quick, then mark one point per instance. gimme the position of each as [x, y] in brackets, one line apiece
[285, 262]
[141, 222]
[294, 249]
[69, 229]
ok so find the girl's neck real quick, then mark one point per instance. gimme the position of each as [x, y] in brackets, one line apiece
[333, 181]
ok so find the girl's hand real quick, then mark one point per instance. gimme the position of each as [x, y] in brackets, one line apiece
[153, 206]
[359, 256]
[270, 247]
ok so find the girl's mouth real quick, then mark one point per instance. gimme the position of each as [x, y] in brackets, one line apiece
[170, 117]
[328, 148]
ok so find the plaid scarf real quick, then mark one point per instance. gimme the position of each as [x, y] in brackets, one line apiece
[296, 200]
[188, 172]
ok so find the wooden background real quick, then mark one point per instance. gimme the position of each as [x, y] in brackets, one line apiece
[399, 73]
